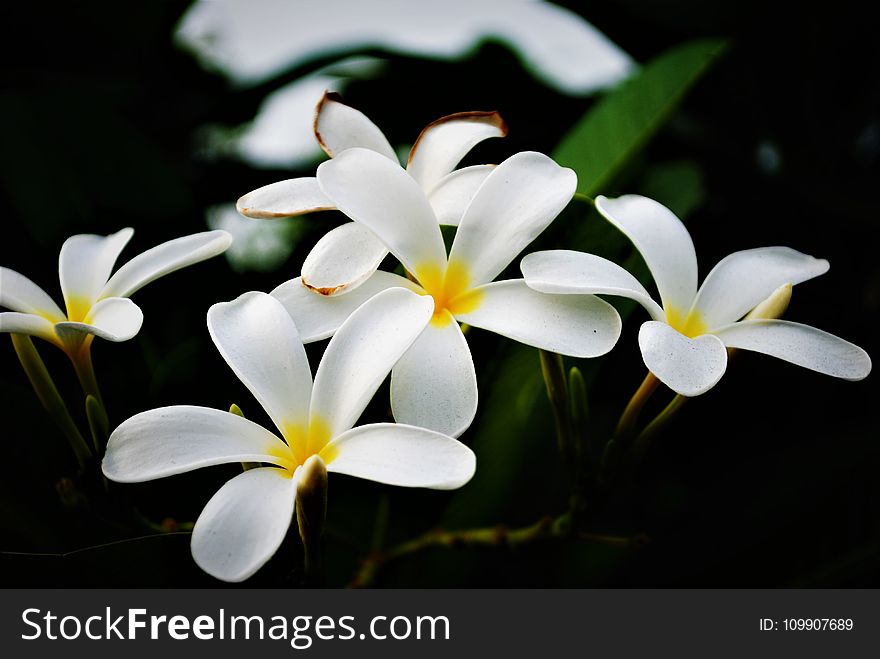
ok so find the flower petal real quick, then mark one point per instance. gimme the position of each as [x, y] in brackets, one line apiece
[434, 385]
[259, 341]
[13, 322]
[380, 195]
[295, 196]
[173, 440]
[515, 203]
[744, 279]
[339, 127]
[362, 352]
[799, 344]
[566, 271]
[19, 293]
[85, 264]
[164, 259]
[689, 367]
[318, 316]
[402, 455]
[444, 142]
[244, 524]
[114, 319]
[575, 325]
[342, 259]
[454, 192]
[663, 242]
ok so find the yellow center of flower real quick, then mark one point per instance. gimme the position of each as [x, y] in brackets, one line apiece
[451, 291]
[78, 309]
[304, 441]
[691, 325]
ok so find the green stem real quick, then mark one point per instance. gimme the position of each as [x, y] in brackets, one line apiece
[659, 422]
[85, 370]
[580, 196]
[631, 414]
[48, 394]
[557, 391]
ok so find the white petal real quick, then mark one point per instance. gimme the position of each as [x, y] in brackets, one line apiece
[342, 259]
[295, 196]
[259, 341]
[380, 195]
[402, 455]
[339, 127]
[164, 259]
[454, 192]
[566, 271]
[114, 319]
[244, 524]
[515, 203]
[799, 344]
[443, 143]
[13, 322]
[172, 440]
[85, 264]
[318, 316]
[362, 352]
[744, 279]
[19, 293]
[689, 367]
[575, 325]
[663, 242]
[434, 385]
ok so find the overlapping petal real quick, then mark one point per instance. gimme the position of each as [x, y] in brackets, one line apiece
[295, 196]
[515, 203]
[402, 455]
[664, 243]
[13, 322]
[688, 366]
[84, 266]
[434, 385]
[174, 440]
[455, 191]
[259, 341]
[339, 127]
[19, 293]
[342, 259]
[114, 319]
[244, 523]
[799, 344]
[361, 353]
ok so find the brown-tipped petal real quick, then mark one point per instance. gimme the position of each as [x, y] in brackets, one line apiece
[295, 196]
[342, 260]
[339, 127]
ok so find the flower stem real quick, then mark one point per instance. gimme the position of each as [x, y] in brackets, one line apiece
[631, 414]
[85, 370]
[659, 422]
[557, 391]
[48, 394]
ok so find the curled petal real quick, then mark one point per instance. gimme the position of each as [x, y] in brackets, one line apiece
[114, 319]
[799, 344]
[295, 196]
[13, 322]
[566, 271]
[402, 455]
[164, 259]
[444, 142]
[663, 242]
[244, 524]
[434, 385]
[173, 440]
[318, 316]
[84, 266]
[361, 353]
[514, 204]
[342, 259]
[454, 192]
[744, 279]
[339, 127]
[19, 293]
[688, 366]
[575, 325]
[259, 341]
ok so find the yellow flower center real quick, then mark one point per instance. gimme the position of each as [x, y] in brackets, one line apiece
[691, 325]
[78, 309]
[304, 441]
[451, 291]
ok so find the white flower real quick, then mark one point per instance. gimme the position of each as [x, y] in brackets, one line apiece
[246, 521]
[685, 345]
[434, 384]
[346, 256]
[97, 303]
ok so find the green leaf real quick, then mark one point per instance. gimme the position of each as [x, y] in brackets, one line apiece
[620, 125]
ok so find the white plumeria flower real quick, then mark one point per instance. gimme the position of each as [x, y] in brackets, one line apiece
[96, 303]
[243, 525]
[685, 344]
[346, 256]
[434, 384]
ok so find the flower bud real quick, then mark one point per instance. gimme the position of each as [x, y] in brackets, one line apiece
[311, 509]
[774, 306]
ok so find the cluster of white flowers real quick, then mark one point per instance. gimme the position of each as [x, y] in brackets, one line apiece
[408, 326]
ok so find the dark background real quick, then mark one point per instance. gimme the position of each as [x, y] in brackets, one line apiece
[768, 480]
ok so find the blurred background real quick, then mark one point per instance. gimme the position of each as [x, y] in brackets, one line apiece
[159, 115]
